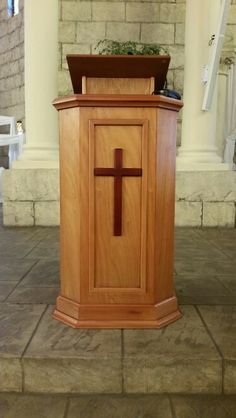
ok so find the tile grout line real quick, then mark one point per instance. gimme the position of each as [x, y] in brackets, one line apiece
[215, 344]
[26, 347]
[122, 361]
[24, 275]
[66, 407]
[173, 414]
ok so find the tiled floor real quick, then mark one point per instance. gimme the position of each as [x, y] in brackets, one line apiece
[195, 355]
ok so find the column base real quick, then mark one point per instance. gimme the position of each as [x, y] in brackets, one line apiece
[120, 316]
[38, 157]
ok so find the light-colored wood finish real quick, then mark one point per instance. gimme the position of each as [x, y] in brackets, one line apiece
[95, 85]
[117, 281]
[109, 266]
[116, 100]
[117, 316]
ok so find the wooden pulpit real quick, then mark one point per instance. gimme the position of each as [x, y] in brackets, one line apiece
[117, 176]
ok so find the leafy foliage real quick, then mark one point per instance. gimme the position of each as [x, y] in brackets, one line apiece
[109, 47]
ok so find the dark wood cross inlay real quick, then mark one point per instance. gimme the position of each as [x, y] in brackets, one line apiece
[118, 172]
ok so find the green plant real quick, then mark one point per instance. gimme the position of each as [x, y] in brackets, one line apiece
[109, 47]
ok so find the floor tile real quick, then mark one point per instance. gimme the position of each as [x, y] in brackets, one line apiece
[179, 358]
[42, 252]
[204, 407]
[45, 273]
[32, 406]
[119, 407]
[72, 375]
[10, 374]
[186, 337]
[62, 359]
[16, 249]
[13, 269]
[54, 339]
[17, 323]
[34, 295]
[221, 321]
[203, 268]
[5, 289]
[198, 290]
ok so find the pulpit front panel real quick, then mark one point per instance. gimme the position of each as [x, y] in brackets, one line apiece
[118, 174]
[116, 259]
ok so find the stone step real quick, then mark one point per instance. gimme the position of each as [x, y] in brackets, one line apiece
[191, 356]
[116, 406]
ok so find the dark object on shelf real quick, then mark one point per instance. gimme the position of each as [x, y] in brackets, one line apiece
[168, 93]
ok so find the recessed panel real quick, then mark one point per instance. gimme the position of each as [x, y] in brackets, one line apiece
[117, 260]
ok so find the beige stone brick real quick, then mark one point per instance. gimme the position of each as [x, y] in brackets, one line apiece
[64, 83]
[123, 31]
[73, 49]
[230, 37]
[232, 15]
[170, 79]
[67, 31]
[5, 57]
[177, 56]
[47, 213]
[4, 46]
[76, 10]
[18, 213]
[19, 185]
[179, 80]
[172, 13]
[15, 22]
[180, 33]
[17, 52]
[157, 33]
[13, 82]
[219, 214]
[88, 32]
[14, 39]
[142, 12]
[3, 29]
[108, 11]
[188, 213]
[206, 186]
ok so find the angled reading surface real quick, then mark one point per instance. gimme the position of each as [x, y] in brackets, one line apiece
[120, 66]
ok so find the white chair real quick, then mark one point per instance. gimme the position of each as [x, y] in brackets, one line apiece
[11, 138]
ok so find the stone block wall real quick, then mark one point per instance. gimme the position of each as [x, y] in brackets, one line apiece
[12, 62]
[202, 198]
[83, 23]
[11, 68]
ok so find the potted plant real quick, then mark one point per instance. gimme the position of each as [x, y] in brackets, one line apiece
[110, 47]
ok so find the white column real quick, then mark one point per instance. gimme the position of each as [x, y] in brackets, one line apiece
[198, 149]
[41, 87]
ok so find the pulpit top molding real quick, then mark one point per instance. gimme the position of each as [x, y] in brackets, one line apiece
[110, 100]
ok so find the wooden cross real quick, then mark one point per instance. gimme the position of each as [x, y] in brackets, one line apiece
[118, 172]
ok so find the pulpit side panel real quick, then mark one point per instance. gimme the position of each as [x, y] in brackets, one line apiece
[165, 203]
[70, 203]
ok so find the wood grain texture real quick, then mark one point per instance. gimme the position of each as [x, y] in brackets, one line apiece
[121, 281]
[117, 100]
[115, 262]
[118, 66]
[121, 316]
[70, 203]
[119, 85]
